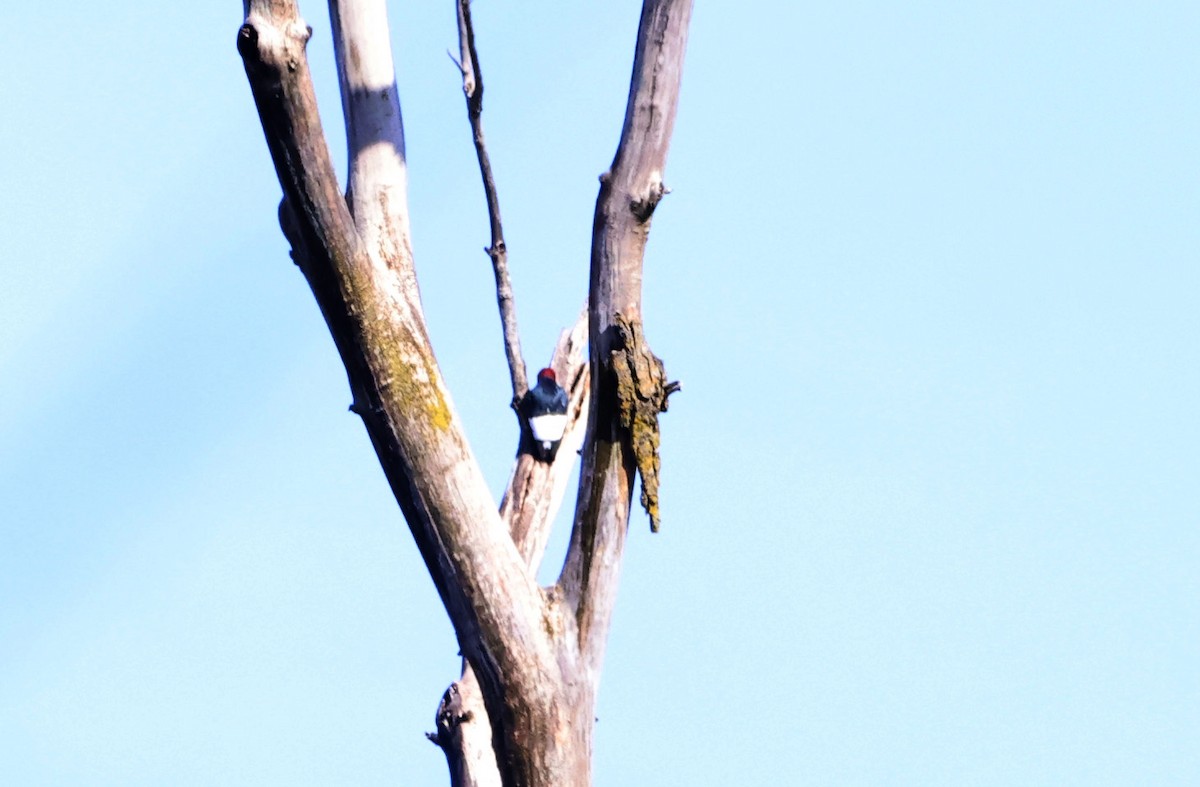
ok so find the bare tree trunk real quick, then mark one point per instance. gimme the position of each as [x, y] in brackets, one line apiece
[533, 655]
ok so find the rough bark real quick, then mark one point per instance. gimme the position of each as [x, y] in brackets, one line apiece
[367, 294]
[629, 193]
[533, 656]
[531, 500]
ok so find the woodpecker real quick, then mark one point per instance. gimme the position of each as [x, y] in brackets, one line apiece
[545, 410]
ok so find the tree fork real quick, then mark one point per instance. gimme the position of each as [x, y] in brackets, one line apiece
[536, 653]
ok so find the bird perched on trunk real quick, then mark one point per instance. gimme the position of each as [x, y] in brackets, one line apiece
[544, 408]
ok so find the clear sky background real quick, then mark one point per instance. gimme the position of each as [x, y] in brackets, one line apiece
[928, 274]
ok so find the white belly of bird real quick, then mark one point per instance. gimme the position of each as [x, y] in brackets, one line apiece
[548, 428]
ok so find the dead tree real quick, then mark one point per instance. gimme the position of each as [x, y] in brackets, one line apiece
[523, 711]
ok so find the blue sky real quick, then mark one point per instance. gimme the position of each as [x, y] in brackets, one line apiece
[928, 274]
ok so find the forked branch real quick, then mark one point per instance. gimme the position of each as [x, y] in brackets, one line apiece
[367, 294]
[536, 653]
[530, 503]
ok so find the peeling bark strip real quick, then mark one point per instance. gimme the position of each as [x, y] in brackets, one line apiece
[642, 391]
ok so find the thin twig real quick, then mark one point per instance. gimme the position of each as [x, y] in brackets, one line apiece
[473, 90]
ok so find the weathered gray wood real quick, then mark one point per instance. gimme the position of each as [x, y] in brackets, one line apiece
[370, 302]
[535, 653]
[530, 504]
[377, 188]
[629, 193]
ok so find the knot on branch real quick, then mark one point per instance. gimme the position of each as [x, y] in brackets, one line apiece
[642, 391]
[450, 716]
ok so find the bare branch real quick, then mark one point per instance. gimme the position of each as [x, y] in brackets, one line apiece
[535, 490]
[629, 192]
[377, 190]
[465, 735]
[472, 77]
[369, 300]
[536, 654]
[530, 504]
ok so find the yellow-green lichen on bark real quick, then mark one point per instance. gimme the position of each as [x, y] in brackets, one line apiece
[410, 371]
[392, 338]
[439, 411]
[642, 391]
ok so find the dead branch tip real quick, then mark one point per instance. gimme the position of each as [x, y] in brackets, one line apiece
[472, 76]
